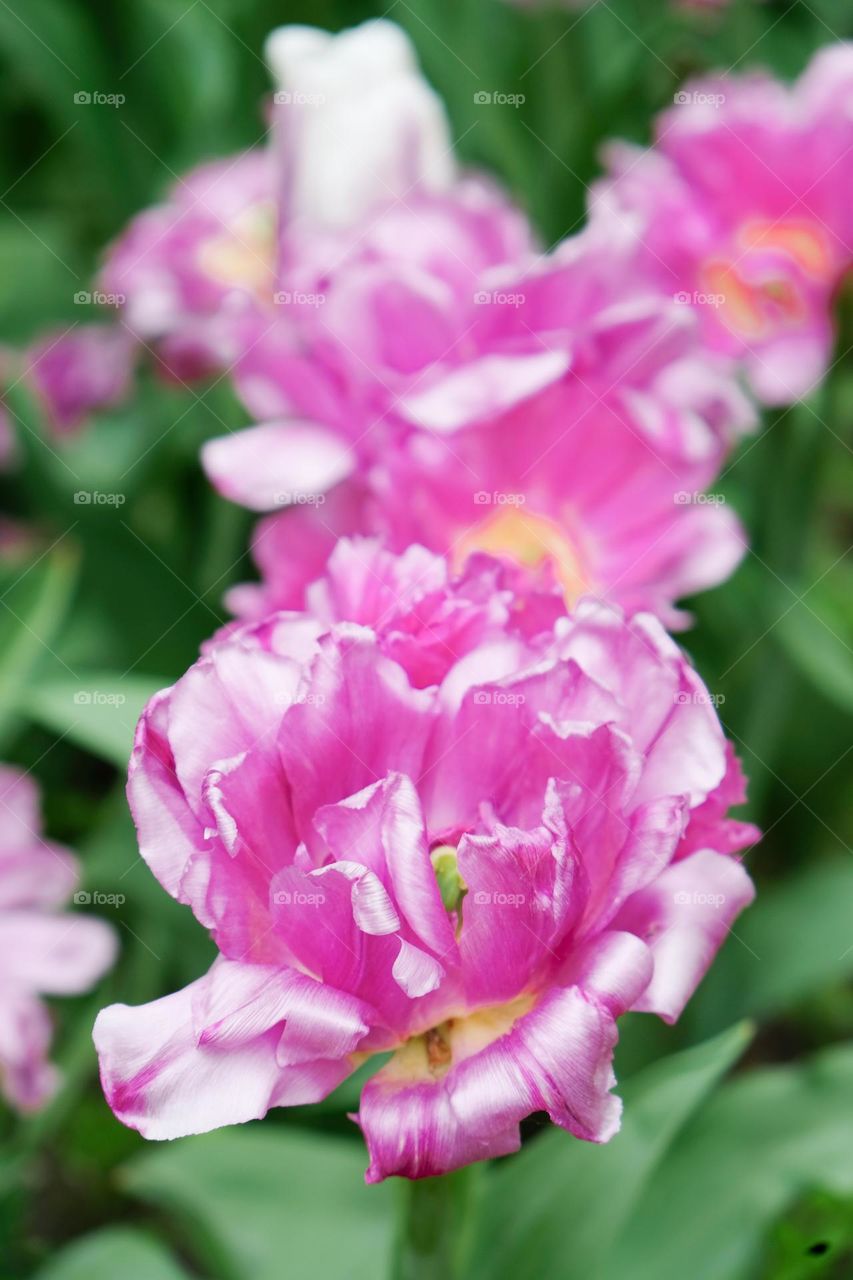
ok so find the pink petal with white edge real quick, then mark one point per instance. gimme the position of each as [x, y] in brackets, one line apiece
[684, 917]
[278, 463]
[167, 1080]
[483, 389]
[420, 1120]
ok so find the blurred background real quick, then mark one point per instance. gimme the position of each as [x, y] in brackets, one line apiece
[736, 1159]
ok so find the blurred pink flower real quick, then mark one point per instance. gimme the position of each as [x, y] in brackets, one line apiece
[81, 370]
[178, 264]
[478, 874]
[743, 206]
[43, 952]
[557, 413]
[203, 276]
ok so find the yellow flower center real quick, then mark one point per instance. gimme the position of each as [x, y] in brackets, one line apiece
[755, 308]
[430, 1055]
[530, 540]
[243, 255]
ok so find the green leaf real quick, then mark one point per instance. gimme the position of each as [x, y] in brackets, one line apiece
[98, 711]
[794, 940]
[585, 1193]
[815, 644]
[752, 1151]
[31, 611]
[114, 1252]
[814, 1238]
[268, 1203]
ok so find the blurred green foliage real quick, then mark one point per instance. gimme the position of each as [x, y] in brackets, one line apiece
[722, 1171]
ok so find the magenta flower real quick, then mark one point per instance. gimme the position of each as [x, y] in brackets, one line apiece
[180, 265]
[743, 206]
[80, 371]
[43, 952]
[561, 418]
[476, 874]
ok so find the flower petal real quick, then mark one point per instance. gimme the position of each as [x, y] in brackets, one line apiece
[277, 1039]
[684, 916]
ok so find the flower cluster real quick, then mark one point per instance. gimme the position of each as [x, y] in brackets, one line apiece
[43, 951]
[446, 794]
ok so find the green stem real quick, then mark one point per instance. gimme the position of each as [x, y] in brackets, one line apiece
[435, 1225]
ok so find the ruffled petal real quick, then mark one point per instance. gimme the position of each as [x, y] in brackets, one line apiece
[274, 1039]
[422, 1116]
[684, 917]
[359, 720]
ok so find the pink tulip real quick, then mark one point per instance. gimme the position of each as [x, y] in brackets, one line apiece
[743, 207]
[43, 951]
[80, 371]
[179, 265]
[417, 825]
[561, 418]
